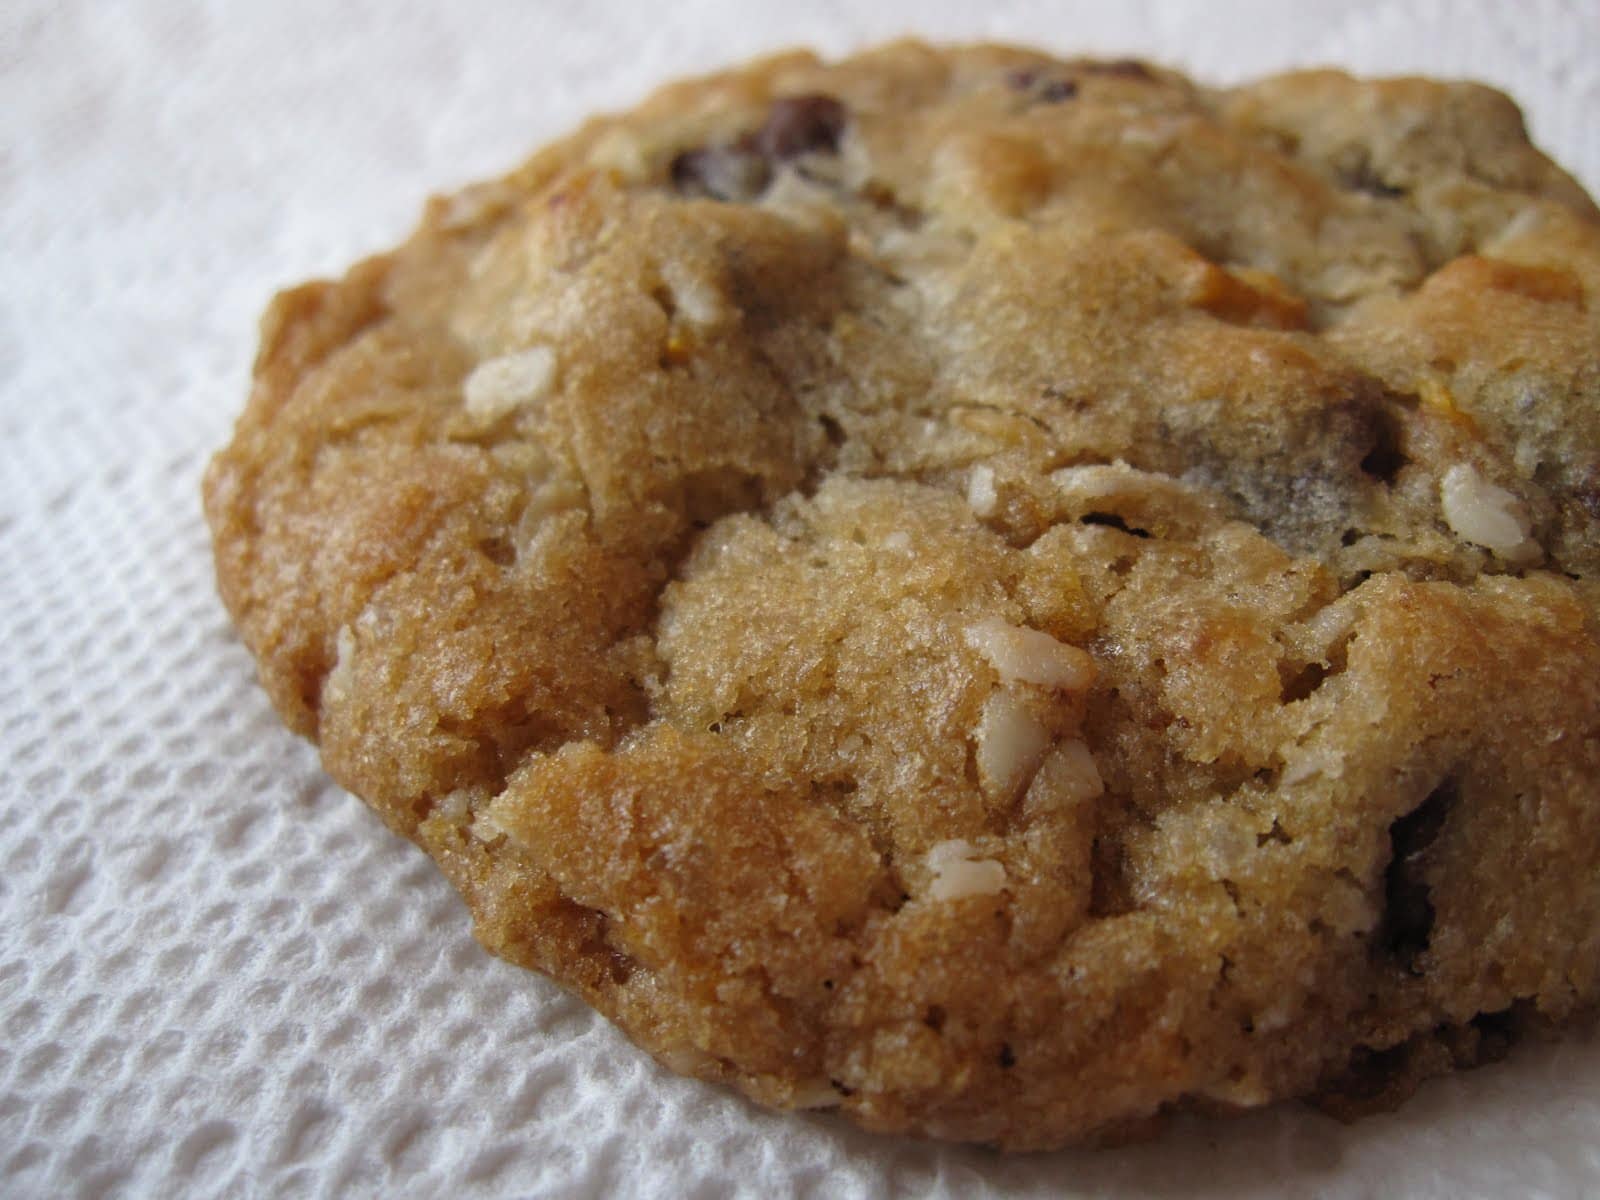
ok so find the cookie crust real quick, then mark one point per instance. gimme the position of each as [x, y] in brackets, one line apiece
[1002, 595]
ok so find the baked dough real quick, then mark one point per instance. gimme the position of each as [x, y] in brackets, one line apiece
[1000, 595]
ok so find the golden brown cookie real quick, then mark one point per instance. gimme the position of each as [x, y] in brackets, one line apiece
[997, 594]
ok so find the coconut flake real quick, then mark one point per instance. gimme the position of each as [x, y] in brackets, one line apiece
[694, 296]
[1486, 515]
[815, 1093]
[1010, 741]
[981, 495]
[957, 873]
[500, 385]
[1030, 656]
[337, 685]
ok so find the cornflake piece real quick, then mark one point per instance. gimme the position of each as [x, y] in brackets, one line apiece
[498, 386]
[1488, 516]
[956, 873]
[1010, 742]
[1030, 656]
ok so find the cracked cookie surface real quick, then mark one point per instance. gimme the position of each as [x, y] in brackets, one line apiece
[998, 594]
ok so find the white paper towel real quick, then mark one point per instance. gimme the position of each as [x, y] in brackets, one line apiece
[218, 974]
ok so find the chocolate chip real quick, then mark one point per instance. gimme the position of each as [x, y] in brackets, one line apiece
[1497, 1030]
[1121, 68]
[1110, 889]
[741, 170]
[1363, 176]
[1114, 521]
[799, 125]
[1046, 88]
[734, 173]
[1587, 491]
[1408, 906]
[1384, 461]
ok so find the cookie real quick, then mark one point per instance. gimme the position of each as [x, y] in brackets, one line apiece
[1000, 595]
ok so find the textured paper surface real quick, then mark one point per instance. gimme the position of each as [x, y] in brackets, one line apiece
[218, 974]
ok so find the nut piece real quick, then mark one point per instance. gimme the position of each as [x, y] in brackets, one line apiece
[1489, 516]
[797, 125]
[1010, 742]
[956, 873]
[498, 386]
[1030, 656]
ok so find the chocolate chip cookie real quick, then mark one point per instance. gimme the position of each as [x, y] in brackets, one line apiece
[998, 594]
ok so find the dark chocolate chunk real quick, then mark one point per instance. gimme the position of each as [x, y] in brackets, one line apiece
[1114, 521]
[1586, 491]
[1362, 176]
[1384, 461]
[1408, 907]
[799, 125]
[1121, 68]
[1048, 89]
[741, 170]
